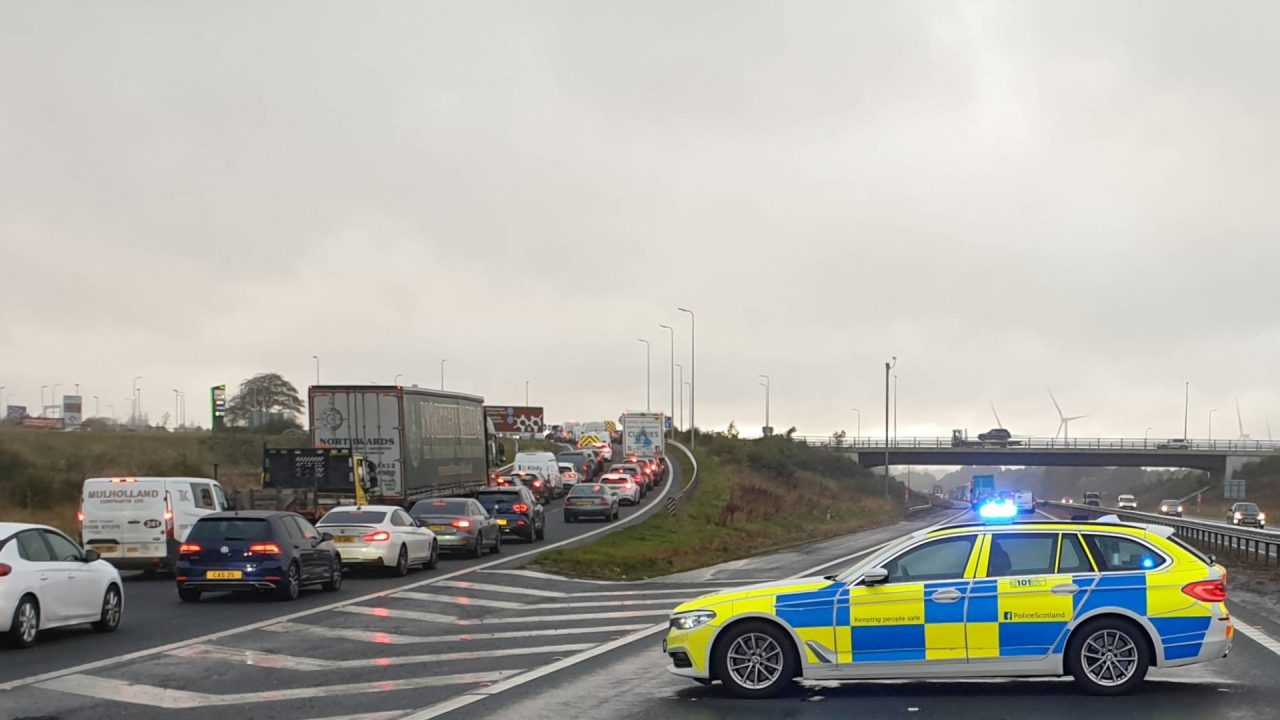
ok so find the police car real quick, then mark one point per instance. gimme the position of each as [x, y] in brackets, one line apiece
[1102, 601]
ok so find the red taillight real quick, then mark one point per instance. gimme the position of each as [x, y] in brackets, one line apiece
[264, 549]
[5, 569]
[520, 508]
[461, 523]
[376, 536]
[537, 483]
[188, 549]
[168, 516]
[1212, 591]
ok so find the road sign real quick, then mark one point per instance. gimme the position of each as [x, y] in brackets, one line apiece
[667, 424]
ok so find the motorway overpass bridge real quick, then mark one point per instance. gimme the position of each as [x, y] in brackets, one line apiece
[1222, 459]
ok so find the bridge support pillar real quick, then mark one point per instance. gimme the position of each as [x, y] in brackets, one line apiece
[1233, 486]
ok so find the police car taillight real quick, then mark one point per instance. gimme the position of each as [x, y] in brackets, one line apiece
[1211, 591]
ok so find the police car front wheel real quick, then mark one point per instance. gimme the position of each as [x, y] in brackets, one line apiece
[755, 660]
[1108, 656]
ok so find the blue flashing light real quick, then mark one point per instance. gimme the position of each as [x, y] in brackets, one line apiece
[1148, 563]
[998, 511]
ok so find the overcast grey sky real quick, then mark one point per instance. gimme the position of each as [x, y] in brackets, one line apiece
[1007, 196]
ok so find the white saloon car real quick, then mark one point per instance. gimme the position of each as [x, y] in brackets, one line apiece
[380, 535]
[622, 485]
[47, 581]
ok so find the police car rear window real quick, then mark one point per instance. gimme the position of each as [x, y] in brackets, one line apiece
[1121, 554]
[1196, 553]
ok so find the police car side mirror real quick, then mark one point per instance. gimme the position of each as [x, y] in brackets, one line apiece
[875, 576]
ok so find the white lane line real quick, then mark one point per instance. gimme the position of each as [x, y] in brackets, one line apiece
[101, 688]
[1257, 635]
[277, 661]
[396, 613]
[463, 700]
[211, 637]
[382, 638]
[386, 715]
[465, 601]
[514, 590]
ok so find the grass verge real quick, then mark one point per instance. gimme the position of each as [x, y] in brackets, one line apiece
[753, 497]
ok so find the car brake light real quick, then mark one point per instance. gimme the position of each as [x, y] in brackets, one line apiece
[1212, 591]
[265, 548]
[376, 536]
[520, 508]
[188, 548]
[168, 516]
[5, 569]
[461, 523]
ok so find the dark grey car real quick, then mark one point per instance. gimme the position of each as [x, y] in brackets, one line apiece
[461, 525]
[1246, 513]
[590, 500]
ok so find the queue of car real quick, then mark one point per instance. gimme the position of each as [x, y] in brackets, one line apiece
[187, 526]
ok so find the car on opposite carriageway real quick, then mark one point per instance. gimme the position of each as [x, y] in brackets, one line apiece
[382, 536]
[1171, 507]
[460, 525]
[256, 550]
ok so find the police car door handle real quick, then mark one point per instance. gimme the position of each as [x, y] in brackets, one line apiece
[947, 595]
[1067, 589]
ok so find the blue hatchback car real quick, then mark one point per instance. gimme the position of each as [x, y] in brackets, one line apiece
[254, 550]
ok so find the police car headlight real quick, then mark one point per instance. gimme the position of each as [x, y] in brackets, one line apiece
[692, 619]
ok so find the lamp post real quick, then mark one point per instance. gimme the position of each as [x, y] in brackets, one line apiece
[317, 359]
[526, 393]
[680, 370]
[693, 371]
[648, 387]
[1186, 407]
[766, 405]
[176, 393]
[42, 389]
[859, 421]
[672, 375]
[396, 380]
[442, 362]
[1211, 412]
[112, 409]
[53, 398]
[888, 367]
[97, 407]
[895, 408]
[133, 404]
[1145, 434]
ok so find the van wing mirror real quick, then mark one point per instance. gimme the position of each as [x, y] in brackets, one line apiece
[875, 576]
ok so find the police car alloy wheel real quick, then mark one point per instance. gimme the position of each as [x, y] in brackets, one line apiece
[1108, 656]
[755, 660]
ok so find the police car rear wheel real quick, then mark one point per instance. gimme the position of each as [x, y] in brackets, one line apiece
[755, 660]
[1108, 657]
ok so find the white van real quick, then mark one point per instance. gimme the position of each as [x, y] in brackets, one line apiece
[546, 465]
[137, 523]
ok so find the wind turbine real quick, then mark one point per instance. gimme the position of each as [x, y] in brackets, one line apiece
[1064, 422]
[1240, 422]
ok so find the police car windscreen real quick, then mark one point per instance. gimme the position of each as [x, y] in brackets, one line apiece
[219, 529]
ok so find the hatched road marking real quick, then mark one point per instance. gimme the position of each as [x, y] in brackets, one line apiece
[512, 590]
[384, 638]
[1257, 636]
[305, 664]
[433, 617]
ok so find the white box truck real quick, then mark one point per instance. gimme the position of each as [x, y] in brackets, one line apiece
[643, 434]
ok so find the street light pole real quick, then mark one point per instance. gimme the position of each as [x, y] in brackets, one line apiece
[859, 421]
[526, 393]
[133, 405]
[53, 398]
[317, 359]
[1146, 434]
[766, 403]
[442, 362]
[1186, 407]
[888, 367]
[176, 392]
[672, 375]
[680, 370]
[42, 389]
[895, 408]
[693, 371]
[1211, 412]
[648, 388]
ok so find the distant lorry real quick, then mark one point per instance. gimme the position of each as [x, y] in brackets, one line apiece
[643, 434]
[995, 437]
[938, 491]
[310, 481]
[420, 443]
[981, 488]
